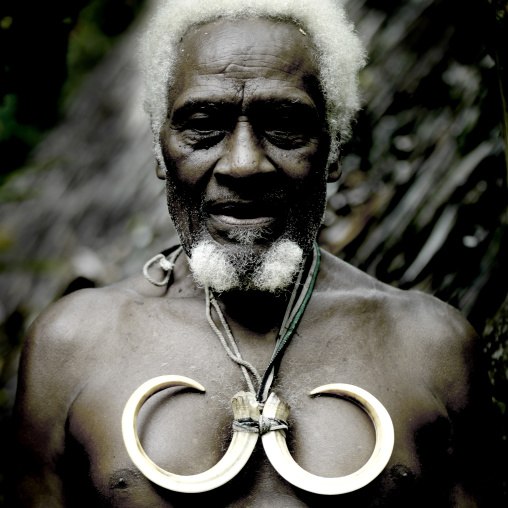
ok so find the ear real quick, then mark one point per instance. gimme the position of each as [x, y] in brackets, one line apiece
[334, 169]
[161, 175]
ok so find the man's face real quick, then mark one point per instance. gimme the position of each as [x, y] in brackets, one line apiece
[245, 141]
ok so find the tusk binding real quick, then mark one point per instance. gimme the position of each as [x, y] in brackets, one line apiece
[277, 451]
[239, 451]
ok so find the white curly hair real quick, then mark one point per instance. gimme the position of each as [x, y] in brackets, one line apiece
[339, 52]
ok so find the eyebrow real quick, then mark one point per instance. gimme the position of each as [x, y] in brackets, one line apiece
[193, 106]
[290, 104]
[184, 112]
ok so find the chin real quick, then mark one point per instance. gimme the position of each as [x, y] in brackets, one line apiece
[245, 266]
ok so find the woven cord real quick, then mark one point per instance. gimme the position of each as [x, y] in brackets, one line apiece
[235, 354]
[166, 266]
[300, 306]
[293, 315]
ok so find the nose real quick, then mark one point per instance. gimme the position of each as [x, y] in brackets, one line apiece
[244, 155]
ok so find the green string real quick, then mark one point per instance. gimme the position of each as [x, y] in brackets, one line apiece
[294, 323]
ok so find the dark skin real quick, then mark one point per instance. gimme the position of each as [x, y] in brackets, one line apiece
[85, 356]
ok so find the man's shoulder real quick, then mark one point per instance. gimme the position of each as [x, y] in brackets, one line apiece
[78, 318]
[86, 316]
[344, 279]
[430, 336]
[71, 309]
[417, 318]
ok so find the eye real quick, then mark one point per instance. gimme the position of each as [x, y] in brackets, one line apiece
[288, 127]
[203, 131]
[286, 132]
[200, 126]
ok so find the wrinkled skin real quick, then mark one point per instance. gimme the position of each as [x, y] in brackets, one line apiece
[246, 136]
[85, 356]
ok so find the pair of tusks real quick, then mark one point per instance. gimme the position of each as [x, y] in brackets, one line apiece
[274, 442]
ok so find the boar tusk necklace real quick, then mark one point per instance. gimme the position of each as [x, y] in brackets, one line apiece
[258, 413]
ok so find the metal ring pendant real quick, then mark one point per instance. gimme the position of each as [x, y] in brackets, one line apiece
[239, 451]
[277, 451]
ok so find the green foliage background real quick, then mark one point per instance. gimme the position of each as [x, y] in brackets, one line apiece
[46, 50]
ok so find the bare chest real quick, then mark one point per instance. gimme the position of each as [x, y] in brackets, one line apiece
[186, 432]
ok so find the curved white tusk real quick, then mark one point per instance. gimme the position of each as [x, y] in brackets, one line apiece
[239, 451]
[277, 451]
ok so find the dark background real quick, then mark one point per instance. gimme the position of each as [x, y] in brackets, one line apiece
[422, 203]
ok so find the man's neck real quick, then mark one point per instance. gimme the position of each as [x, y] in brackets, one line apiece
[257, 311]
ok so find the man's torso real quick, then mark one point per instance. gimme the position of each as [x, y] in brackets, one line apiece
[351, 333]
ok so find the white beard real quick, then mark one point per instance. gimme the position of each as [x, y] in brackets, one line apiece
[220, 269]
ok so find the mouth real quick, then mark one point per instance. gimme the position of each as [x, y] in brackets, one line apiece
[244, 214]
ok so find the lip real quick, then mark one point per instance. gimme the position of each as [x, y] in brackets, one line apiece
[235, 221]
[243, 213]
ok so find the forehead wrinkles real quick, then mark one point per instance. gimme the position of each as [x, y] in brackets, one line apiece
[238, 57]
[250, 42]
[244, 62]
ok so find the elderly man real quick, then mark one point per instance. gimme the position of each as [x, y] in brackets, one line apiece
[249, 102]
